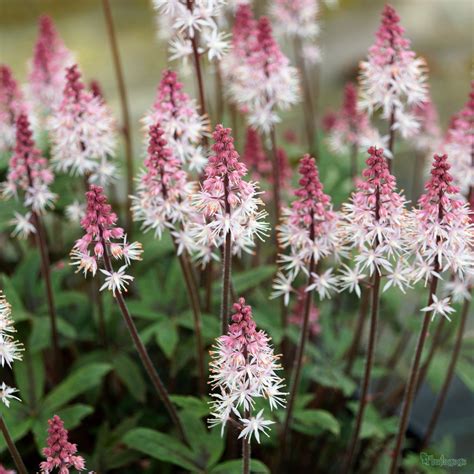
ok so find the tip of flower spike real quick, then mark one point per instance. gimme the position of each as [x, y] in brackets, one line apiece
[23, 132]
[74, 85]
[46, 25]
[350, 99]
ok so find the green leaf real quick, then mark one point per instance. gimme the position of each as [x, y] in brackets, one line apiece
[130, 375]
[78, 382]
[167, 336]
[252, 278]
[320, 419]
[197, 406]
[161, 446]
[30, 380]
[72, 415]
[17, 420]
[40, 337]
[235, 467]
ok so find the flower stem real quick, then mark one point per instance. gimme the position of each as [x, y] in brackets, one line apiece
[142, 352]
[413, 379]
[124, 106]
[245, 456]
[310, 123]
[195, 306]
[391, 139]
[449, 376]
[395, 396]
[367, 373]
[354, 153]
[46, 274]
[197, 67]
[20, 465]
[354, 347]
[298, 362]
[276, 176]
[227, 265]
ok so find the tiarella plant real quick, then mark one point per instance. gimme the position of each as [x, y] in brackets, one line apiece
[441, 238]
[231, 208]
[82, 132]
[164, 202]
[244, 369]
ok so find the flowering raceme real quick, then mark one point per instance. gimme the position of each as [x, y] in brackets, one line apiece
[163, 193]
[308, 230]
[28, 172]
[458, 145]
[262, 81]
[440, 234]
[60, 453]
[106, 240]
[299, 19]
[393, 79]
[82, 132]
[228, 203]
[350, 127]
[192, 21]
[11, 106]
[243, 369]
[46, 79]
[10, 349]
[373, 224]
[177, 114]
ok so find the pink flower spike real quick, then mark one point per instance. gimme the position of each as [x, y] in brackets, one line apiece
[393, 79]
[307, 230]
[103, 241]
[243, 369]
[162, 199]
[60, 453]
[11, 106]
[46, 76]
[178, 116]
[83, 132]
[28, 171]
[254, 156]
[440, 234]
[458, 145]
[350, 127]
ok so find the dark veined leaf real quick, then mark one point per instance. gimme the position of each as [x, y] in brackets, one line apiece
[78, 382]
[162, 447]
[130, 375]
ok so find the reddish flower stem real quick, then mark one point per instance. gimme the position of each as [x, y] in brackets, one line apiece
[413, 379]
[298, 362]
[126, 129]
[367, 373]
[20, 465]
[227, 265]
[142, 352]
[449, 376]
